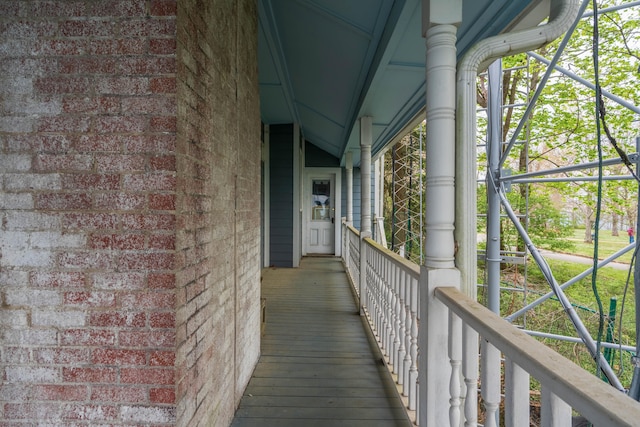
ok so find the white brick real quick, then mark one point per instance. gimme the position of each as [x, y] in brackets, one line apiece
[16, 84]
[29, 337]
[58, 319]
[142, 414]
[31, 221]
[14, 240]
[15, 162]
[32, 181]
[16, 124]
[26, 258]
[34, 298]
[13, 318]
[18, 374]
[16, 201]
[13, 279]
[44, 240]
[89, 413]
[24, 104]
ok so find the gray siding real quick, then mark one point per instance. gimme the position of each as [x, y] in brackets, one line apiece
[356, 196]
[315, 157]
[281, 192]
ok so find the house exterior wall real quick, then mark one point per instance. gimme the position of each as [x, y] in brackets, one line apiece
[218, 203]
[281, 194]
[315, 157]
[129, 233]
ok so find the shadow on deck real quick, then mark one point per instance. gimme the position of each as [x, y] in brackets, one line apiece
[319, 365]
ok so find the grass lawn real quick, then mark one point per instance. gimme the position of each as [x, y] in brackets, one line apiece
[550, 317]
[607, 245]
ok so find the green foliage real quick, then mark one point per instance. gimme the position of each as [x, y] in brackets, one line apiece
[550, 317]
[548, 227]
[562, 131]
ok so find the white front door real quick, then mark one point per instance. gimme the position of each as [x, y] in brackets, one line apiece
[321, 214]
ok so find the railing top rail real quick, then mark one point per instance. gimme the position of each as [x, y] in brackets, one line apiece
[405, 264]
[600, 403]
[353, 230]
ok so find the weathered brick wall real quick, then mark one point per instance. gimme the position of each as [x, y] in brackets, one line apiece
[129, 232]
[87, 239]
[218, 207]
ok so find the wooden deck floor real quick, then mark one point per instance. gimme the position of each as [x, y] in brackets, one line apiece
[318, 366]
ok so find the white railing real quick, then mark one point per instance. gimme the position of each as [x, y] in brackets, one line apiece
[564, 385]
[470, 340]
[390, 302]
[391, 305]
[351, 254]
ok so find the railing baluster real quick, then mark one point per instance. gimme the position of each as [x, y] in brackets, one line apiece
[388, 330]
[407, 334]
[382, 306]
[470, 374]
[393, 340]
[554, 411]
[402, 333]
[455, 358]
[371, 302]
[490, 383]
[375, 302]
[383, 309]
[413, 370]
[516, 394]
[376, 297]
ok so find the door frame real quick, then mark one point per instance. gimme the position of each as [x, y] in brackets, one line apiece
[336, 174]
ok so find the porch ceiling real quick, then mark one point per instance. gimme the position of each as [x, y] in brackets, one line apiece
[324, 63]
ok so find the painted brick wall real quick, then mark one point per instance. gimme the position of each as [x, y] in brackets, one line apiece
[87, 136]
[218, 208]
[127, 295]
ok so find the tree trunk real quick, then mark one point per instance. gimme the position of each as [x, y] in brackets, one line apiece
[615, 219]
[588, 232]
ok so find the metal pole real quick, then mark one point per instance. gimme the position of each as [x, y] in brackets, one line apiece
[611, 319]
[612, 8]
[570, 282]
[494, 145]
[589, 165]
[543, 82]
[584, 82]
[613, 346]
[572, 179]
[634, 389]
[566, 304]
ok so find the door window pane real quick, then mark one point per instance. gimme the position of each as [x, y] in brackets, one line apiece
[321, 200]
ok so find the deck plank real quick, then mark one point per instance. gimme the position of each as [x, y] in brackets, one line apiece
[318, 366]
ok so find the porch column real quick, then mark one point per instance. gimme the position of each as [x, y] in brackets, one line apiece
[440, 21]
[366, 138]
[349, 170]
[365, 204]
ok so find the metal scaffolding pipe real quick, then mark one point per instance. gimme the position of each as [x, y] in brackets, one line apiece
[542, 83]
[632, 157]
[612, 9]
[568, 283]
[578, 340]
[494, 137]
[587, 83]
[574, 179]
[566, 304]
